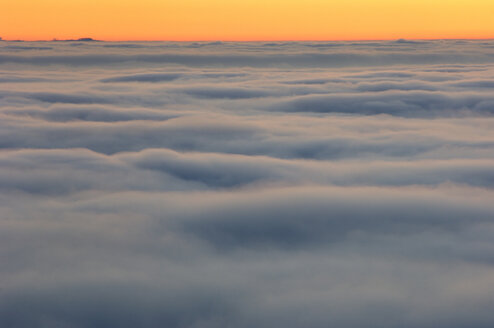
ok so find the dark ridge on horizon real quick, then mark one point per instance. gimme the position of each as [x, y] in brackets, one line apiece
[80, 40]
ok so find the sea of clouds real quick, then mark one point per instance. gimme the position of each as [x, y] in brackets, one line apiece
[196, 185]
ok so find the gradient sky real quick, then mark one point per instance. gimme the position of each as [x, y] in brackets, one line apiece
[246, 19]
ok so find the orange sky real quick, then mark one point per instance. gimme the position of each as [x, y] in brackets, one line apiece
[246, 19]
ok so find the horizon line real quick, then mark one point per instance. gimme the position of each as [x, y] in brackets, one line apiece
[89, 39]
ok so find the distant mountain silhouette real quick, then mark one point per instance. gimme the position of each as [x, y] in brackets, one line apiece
[80, 39]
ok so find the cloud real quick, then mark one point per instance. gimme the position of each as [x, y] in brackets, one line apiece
[123, 45]
[20, 48]
[228, 93]
[96, 114]
[67, 98]
[288, 218]
[15, 79]
[292, 184]
[476, 84]
[247, 245]
[366, 138]
[413, 104]
[378, 87]
[260, 55]
[143, 78]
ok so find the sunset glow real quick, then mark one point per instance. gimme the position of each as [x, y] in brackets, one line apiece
[246, 20]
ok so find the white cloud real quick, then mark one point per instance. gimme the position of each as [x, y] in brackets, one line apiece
[247, 184]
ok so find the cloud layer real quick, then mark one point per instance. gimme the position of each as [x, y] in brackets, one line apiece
[242, 185]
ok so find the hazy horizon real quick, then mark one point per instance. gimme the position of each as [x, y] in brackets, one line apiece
[247, 41]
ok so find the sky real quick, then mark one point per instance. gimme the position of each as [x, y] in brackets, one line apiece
[239, 185]
[246, 20]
